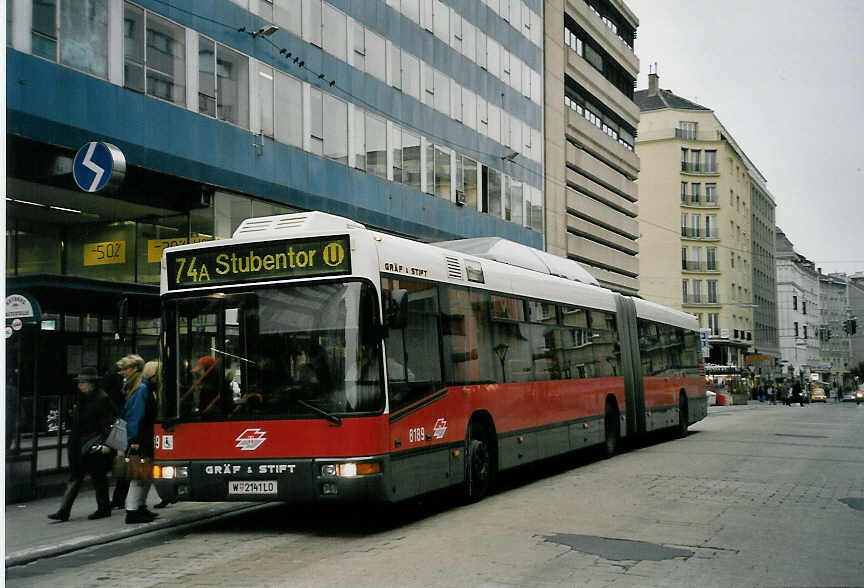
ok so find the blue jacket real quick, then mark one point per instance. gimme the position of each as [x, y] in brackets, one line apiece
[135, 412]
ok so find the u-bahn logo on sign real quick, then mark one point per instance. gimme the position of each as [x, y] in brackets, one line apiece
[251, 439]
[333, 254]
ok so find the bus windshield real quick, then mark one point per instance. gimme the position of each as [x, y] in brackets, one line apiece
[294, 351]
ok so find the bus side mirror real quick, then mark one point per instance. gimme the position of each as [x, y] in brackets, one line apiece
[396, 309]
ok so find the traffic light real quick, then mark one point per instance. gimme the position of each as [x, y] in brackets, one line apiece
[850, 326]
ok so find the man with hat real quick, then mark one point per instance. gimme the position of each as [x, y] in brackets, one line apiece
[92, 415]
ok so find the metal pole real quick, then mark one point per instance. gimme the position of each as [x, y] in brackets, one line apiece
[34, 443]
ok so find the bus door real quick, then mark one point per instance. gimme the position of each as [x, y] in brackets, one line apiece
[628, 338]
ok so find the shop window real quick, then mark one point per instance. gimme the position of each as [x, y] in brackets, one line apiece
[102, 250]
[153, 237]
[84, 38]
[38, 248]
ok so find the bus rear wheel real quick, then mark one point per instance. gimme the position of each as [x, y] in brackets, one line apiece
[478, 464]
[612, 425]
[683, 420]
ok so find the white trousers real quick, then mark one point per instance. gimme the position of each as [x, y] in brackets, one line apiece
[137, 496]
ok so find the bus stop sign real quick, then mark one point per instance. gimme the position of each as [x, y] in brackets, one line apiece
[98, 165]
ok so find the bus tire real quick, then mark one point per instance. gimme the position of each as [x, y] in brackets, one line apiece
[683, 417]
[478, 464]
[612, 426]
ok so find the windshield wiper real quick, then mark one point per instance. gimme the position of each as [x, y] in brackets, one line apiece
[329, 416]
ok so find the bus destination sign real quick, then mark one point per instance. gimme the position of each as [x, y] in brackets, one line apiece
[261, 261]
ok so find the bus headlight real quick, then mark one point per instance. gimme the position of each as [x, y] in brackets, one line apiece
[170, 472]
[351, 469]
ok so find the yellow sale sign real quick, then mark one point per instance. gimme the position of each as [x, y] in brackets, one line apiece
[105, 253]
[155, 246]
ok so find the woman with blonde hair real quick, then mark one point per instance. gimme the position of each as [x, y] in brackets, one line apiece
[139, 414]
[151, 373]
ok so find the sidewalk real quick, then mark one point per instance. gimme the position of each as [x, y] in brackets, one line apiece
[31, 535]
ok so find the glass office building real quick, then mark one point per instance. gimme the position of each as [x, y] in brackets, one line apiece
[417, 117]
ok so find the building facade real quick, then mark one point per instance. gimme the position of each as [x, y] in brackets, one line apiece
[766, 340]
[835, 345]
[590, 120]
[856, 314]
[799, 318]
[422, 118]
[695, 220]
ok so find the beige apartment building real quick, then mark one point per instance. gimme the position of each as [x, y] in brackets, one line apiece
[695, 219]
[590, 125]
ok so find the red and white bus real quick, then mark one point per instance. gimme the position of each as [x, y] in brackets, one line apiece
[309, 358]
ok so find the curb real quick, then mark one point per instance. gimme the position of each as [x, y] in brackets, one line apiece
[25, 556]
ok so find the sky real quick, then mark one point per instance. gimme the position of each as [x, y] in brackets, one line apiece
[786, 79]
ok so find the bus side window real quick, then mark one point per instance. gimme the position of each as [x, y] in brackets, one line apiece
[604, 340]
[465, 335]
[413, 353]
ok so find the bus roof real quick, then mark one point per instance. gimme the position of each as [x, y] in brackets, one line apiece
[499, 265]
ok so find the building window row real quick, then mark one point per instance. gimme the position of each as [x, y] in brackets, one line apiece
[691, 193]
[579, 41]
[694, 261]
[156, 55]
[613, 21]
[691, 160]
[324, 26]
[692, 226]
[692, 292]
[584, 104]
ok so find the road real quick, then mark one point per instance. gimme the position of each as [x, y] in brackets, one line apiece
[754, 496]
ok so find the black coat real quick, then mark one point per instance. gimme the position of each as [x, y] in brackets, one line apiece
[92, 414]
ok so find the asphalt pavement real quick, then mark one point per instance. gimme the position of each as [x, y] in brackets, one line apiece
[30, 535]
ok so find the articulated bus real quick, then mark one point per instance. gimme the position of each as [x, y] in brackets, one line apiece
[311, 359]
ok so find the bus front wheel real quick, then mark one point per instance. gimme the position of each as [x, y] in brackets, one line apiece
[478, 464]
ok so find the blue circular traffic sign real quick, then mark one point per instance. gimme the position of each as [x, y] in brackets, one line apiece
[95, 164]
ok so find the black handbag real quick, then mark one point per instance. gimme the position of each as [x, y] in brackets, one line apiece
[92, 445]
[93, 459]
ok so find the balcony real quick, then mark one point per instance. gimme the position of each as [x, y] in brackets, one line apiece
[699, 300]
[698, 266]
[697, 167]
[699, 233]
[699, 202]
